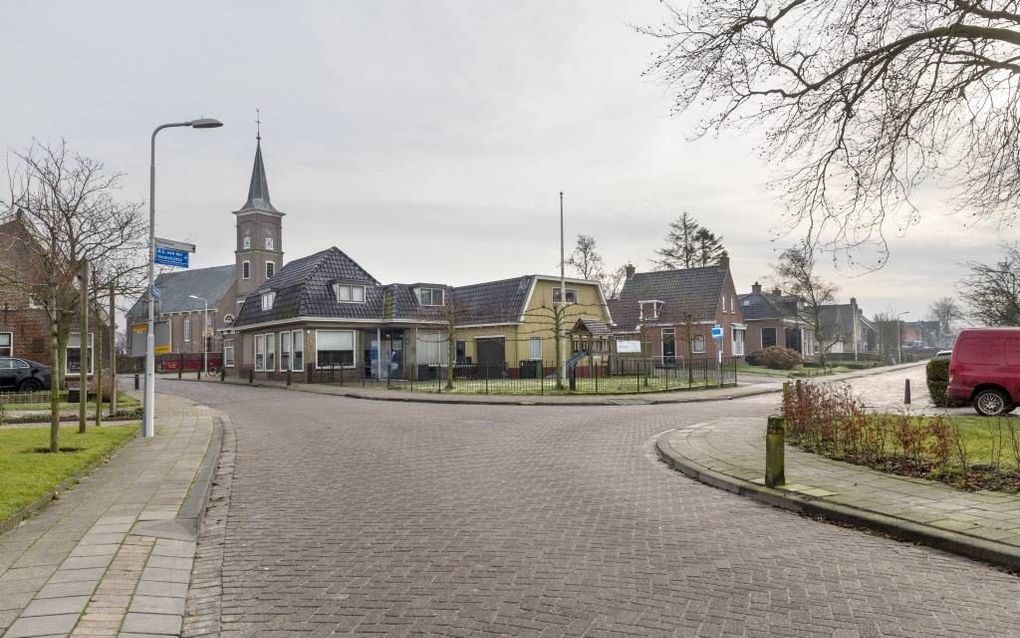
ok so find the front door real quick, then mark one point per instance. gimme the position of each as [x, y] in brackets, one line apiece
[491, 356]
[793, 339]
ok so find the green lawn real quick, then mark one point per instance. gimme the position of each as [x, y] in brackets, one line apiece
[526, 387]
[797, 373]
[988, 440]
[29, 474]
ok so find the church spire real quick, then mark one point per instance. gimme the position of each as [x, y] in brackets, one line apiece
[258, 190]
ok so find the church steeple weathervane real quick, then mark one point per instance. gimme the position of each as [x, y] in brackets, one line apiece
[258, 189]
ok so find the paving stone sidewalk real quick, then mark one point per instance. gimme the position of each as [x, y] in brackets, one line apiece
[112, 557]
[986, 523]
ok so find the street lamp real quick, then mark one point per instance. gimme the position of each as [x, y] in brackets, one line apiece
[148, 420]
[205, 338]
[899, 336]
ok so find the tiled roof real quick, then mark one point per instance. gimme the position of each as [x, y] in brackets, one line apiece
[258, 189]
[592, 326]
[764, 305]
[837, 320]
[493, 301]
[176, 287]
[693, 292]
[304, 288]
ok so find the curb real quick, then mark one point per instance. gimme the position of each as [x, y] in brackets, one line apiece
[898, 528]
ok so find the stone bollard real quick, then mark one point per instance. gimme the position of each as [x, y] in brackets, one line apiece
[775, 457]
[906, 392]
[199, 378]
[136, 382]
[288, 377]
[251, 375]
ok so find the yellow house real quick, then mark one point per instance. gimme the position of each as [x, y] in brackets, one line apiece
[512, 324]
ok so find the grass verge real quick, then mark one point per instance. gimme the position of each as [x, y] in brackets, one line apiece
[30, 474]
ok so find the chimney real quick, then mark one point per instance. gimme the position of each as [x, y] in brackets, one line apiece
[853, 304]
[724, 260]
[756, 288]
[629, 268]
[777, 292]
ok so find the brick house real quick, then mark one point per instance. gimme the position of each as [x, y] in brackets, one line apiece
[775, 319]
[846, 330]
[24, 326]
[660, 308]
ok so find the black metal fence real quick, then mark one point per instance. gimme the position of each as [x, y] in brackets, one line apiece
[618, 375]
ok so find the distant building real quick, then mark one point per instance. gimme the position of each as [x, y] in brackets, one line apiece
[845, 330]
[661, 308]
[258, 255]
[775, 319]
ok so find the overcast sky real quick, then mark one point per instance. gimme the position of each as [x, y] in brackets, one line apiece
[428, 140]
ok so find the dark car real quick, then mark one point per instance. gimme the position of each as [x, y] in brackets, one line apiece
[23, 375]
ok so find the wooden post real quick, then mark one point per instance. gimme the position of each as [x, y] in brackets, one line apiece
[113, 353]
[775, 461]
[906, 391]
[83, 347]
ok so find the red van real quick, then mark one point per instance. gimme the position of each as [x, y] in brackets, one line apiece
[984, 370]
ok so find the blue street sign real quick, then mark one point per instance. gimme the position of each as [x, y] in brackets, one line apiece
[717, 331]
[170, 257]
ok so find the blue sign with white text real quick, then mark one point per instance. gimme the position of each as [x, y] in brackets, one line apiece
[171, 257]
[717, 331]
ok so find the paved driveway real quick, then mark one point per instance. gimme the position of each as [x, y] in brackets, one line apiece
[362, 517]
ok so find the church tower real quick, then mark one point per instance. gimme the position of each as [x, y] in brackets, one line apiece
[259, 253]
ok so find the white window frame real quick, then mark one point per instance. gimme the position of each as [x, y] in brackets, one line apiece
[351, 290]
[735, 351]
[246, 242]
[285, 345]
[270, 262]
[186, 323]
[260, 353]
[656, 308]
[245, 270]
[90, 350]
[662, 342]
[297, 345]
[228, 353]
[268, 298]
[425, 341]
[354, 345]
[694, 344]
[271, 352]
[10, 345]
[531, 349]
[430, 293]
[571, 292]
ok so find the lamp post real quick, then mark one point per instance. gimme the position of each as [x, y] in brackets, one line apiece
[149, 412]
[899, 336]
[205, 329]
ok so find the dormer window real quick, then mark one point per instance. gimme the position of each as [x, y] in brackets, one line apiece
[349, 293]
[267, 300]
[430, 296]
[650, 310]
[571, 295]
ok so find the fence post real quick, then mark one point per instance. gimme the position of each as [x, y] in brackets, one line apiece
[486, 378]
[775, 462]
[906, 391]
[541, 378]
[596, 371]
[136, 381]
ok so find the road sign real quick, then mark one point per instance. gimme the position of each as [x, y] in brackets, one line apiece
[717, 331]
[175, 245]
[171, 257]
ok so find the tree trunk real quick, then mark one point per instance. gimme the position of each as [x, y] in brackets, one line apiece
[83, 348]
[54, 384]
[99, 376]
[113, 353]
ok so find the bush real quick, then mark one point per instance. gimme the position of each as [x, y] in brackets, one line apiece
[937, 372]
[776, 358]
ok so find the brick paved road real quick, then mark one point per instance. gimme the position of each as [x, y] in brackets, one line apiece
[365, 517]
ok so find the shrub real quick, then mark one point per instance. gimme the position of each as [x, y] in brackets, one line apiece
[937, 372]
[777, 358]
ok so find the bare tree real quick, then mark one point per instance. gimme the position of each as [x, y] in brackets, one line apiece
[795, 274]
[586, 260]
[945, 311]
[863, 100]
[688, 245]
[612, 282]
[72, 218]
[992, 292]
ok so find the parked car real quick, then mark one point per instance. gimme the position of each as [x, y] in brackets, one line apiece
[23, 375]
[943, 354]
[984, 370]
